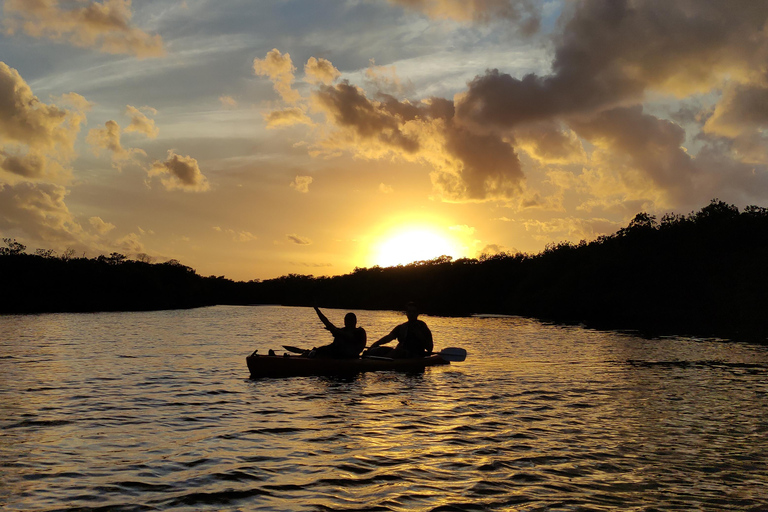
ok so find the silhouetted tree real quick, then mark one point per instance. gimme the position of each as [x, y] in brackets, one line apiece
[13, 248]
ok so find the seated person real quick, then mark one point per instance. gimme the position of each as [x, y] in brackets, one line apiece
[348, 341]
[414, 338]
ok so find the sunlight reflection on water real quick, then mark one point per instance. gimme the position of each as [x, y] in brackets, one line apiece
[154, 411]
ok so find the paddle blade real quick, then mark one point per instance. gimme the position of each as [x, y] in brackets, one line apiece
[453, 354]
[295, 350]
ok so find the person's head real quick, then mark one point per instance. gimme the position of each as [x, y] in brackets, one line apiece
[411, 311]
[350, 320]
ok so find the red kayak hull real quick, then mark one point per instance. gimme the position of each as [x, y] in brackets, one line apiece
[297, 366]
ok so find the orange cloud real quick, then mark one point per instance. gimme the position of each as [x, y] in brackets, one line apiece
[100, 226]
[301, 183]
[468, 165]
[320, 71]
[237, 236]
[652, 146]
[524, 12]
[38, 209]
[108, 138]
[286, 117]
[585, 117]
[180, 172]
[104, 25]
[140, 122]
[279, 69]
[36, 139]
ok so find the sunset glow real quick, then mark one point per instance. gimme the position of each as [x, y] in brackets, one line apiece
[411, 245]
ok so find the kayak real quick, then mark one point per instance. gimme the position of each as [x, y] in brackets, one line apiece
[297, 366]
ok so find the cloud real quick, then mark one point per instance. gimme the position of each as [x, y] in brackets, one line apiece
[228, 101]
[108, 138]
[279, 69]
[611, 53]
[245, 236]
[524, 12]
[348, 107]
[286, 117]
[320, 71]
[644, 143]
[100, 226]
[131, 244]
[38, 210]
[140, 122]
[597, 114]
[468, 165]
[384, 79]
[298, 240]
[301, 184]
[385, 189]
[549, 142]
[31, 165]
[36, 139]
[180, 172]
[311, 265]
[493, 249]
[104, 25]
[570, 228]
[237, 236]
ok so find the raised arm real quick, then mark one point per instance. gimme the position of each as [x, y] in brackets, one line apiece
[327, 323]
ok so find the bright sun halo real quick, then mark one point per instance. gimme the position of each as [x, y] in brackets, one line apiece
[413, 245]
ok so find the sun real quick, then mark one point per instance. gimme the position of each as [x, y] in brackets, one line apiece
[414, 244]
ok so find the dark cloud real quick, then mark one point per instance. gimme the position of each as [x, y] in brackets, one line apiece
[490, 167]
[350, 108]
[653, 145]
[469, 166]
[612, 52]
[298, 240]
[28, 166]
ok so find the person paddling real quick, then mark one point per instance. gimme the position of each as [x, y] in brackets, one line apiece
[348, 341]
[414, 338]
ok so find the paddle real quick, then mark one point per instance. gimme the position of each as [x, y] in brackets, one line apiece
[295, 350]
[453, 354]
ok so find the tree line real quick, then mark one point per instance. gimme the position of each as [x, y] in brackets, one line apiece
[704, 273]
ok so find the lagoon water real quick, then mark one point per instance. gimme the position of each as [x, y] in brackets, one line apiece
[155, 411]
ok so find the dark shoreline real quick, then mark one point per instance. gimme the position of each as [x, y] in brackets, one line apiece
[704, 274]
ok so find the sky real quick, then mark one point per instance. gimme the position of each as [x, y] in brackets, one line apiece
[254, 139]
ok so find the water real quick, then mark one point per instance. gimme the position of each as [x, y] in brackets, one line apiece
[155, 411]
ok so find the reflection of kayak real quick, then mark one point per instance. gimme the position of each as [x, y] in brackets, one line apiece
[295, 366]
